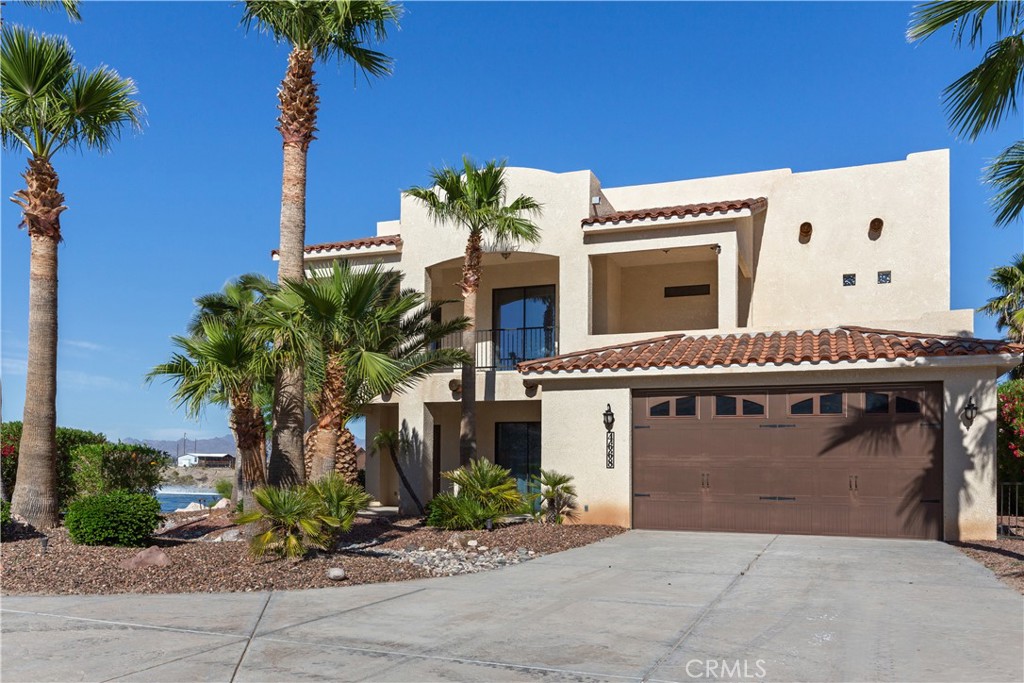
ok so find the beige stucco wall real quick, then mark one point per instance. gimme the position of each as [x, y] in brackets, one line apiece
[573, 435]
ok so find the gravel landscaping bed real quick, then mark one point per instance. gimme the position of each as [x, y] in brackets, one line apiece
[374, 551]
[1004, 556]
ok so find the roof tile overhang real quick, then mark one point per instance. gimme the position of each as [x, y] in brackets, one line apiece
[681, 211]
[329, 248]
[842, 344]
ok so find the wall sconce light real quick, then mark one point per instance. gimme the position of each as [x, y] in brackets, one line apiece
[386, 396]
[970, 411]
[609, 439]
[717, 248]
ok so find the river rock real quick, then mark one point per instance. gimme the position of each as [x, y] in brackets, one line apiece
[150, 557]
[336, 574]
[221, 504]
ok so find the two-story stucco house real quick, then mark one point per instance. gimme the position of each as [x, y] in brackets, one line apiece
[775, 352]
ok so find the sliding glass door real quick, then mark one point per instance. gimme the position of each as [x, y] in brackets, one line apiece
[524, 324]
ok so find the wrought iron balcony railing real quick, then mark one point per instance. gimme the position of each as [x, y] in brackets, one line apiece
[502, 349]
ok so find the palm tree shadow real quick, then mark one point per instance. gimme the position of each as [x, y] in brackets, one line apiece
[920, 505]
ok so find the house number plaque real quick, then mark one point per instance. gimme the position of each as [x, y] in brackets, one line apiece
[609, 450]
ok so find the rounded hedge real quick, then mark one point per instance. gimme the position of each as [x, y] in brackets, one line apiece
[120, 518]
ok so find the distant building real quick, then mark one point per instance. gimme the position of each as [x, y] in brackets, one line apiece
[206, 460]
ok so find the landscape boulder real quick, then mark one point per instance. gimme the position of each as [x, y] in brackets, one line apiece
[150, 557]
[222, 503]
[336, 574]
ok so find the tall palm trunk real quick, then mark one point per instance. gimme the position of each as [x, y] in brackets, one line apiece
[297, 124]
[332, 409]
[248, 430]
[470, 285]
[35, 490]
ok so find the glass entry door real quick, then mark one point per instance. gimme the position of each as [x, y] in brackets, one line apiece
[524, 324]
[517, 448]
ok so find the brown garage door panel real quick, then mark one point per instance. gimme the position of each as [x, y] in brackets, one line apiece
[868, 465]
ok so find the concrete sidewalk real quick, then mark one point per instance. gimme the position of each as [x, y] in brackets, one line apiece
[641, 606]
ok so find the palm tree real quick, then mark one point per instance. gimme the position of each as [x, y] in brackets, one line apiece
[368, 335]
[1008, 305]
[390, 441]
[50, 104]
[476, 199]
[979, 100]
[316, 31]
[225, 361]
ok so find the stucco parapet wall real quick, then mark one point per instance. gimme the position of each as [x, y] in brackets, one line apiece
[841, 346]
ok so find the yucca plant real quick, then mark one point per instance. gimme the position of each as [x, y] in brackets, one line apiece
[490, 484]
[294, 518]
[557, 497]
[340, 499]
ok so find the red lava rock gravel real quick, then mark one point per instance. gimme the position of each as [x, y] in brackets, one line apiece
[1004, 556]
[201, 566]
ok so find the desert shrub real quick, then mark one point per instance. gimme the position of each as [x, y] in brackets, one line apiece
[68, 439]
[458, 513]
[108, 467]
[557, 497]
[119, 518]
[292, 520]
[5, 513]
[224, 488]
[490, 485]
[486, 491]
[340, 499]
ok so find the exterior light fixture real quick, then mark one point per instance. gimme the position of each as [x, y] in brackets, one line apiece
[609, 418]
[43, 542]
[717, 248]
[970, 411]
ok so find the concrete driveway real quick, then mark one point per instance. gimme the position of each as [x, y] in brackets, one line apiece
[641, 606]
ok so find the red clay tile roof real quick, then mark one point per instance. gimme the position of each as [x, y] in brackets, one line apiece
[848, 344]
[351, 244]
[707, 208]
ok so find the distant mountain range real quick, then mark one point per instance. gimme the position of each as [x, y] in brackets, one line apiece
[217, 444]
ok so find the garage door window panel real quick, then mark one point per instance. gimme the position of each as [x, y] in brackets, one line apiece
[876, 403]
[805, 405]
[658, 408]
[740, 406]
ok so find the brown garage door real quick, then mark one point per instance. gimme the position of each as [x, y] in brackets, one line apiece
[860, 461]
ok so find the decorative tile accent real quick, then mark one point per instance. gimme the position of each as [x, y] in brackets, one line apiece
[884, 277]
[849, 279]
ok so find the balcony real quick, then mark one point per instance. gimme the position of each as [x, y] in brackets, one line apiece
[502, 349]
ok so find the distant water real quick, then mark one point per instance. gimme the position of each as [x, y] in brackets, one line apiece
[173, 498]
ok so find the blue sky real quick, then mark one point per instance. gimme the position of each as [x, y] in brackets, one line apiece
[638, 93]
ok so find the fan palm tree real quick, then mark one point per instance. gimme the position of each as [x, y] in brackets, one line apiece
[983, 97]
[316, 31]
[70, 7]
[1008, 305]
[390, 441]
[50, 104]
[475, 199]
[369, 335]
[225, 361]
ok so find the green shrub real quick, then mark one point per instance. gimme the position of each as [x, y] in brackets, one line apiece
[120, 518]
[486, 492]
[108, 467]
[557, 497]
[292, 518]
[68, 440]
[340, 499]
[458, 513]
[224, 488]
[490, 485]
[5, 513]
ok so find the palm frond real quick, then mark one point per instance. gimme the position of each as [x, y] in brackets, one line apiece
[1006, 175]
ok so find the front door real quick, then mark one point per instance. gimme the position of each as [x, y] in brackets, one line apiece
[517, 448]
[524, 324]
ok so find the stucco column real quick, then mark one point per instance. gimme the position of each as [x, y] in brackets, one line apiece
[373, 483]
[728, 286]
[969, 456]
[416, 429]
